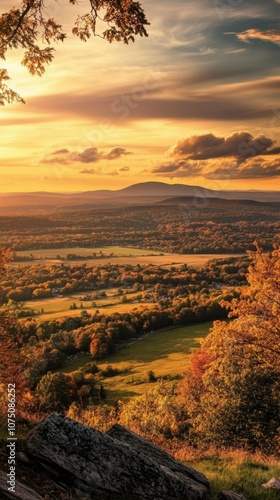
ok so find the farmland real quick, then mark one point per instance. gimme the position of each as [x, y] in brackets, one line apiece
[112, 254]
[62, 253]
[50, 297]
[166, 353]
[55, 307]
[110, 309]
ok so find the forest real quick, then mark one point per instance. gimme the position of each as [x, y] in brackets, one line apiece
[182, 226]
[233, 375]
[153, 305]
[235, 369]
[178, 296]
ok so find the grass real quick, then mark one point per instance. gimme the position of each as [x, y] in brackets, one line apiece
[235, 470]
[238, 471]
[121, 255]
[110, 309]
[52, 253]
[58, 307]
[164, 352]
[61, 304]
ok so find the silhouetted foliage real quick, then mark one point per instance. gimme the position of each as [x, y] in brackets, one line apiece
[28, 27]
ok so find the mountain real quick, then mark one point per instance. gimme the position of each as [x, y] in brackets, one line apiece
[142, 193]
[161, 189]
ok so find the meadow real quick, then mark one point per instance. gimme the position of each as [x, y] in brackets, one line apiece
[116, 251]
[233, 470]
[57, 307]
[165, 352]
[116, 255]
[110, 309]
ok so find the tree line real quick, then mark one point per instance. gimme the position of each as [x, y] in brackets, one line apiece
[214, 228]
[27, 282]
[229, 395]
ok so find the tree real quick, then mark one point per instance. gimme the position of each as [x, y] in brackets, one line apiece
[157, 413]
[12, 361]
[54, 391]
[232, 387]
[102, 392]
[28, 27]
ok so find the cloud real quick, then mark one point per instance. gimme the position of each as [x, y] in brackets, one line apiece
[60, 152]
[89, 155]
[253, 168]
[116, 153]
[88, 171]
[240, 145]
[112, 173]
[98, 172]
[179, 168]
[271, 35]
[124, 169]
[208, 105]
[256, 168]
[239, 156]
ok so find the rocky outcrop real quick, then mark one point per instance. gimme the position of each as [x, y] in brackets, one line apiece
[22, 492]
[117, 465]
[156, 454]
[64, 459]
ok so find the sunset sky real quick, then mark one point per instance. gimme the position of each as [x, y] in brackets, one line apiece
[197, 102]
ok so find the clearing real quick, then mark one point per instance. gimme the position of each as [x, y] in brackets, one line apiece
[166, 353]
[115, 255]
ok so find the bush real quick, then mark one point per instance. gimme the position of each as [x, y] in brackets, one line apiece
[151, 376]
[110, 371]
[90, 367]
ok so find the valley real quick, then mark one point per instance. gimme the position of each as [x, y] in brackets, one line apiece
[109, 309]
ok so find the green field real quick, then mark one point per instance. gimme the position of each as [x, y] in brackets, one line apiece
[117, 308]
[57, 307]
[116, 251]
[62, 304]
[116, 255]
[235, 470]
[164, 352]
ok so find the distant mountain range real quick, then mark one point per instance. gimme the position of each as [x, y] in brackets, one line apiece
[141, 193]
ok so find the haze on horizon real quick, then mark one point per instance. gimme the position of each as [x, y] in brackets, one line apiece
[195, 103]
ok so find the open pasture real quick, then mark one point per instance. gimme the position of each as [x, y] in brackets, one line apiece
[165, 352]
[116, 255]
[56, 307]
[57, 311]
[54, 253]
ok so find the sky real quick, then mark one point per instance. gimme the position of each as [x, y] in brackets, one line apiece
[197, 103]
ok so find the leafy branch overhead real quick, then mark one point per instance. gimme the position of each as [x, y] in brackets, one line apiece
[28, 27]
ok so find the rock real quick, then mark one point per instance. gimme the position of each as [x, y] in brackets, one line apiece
[156, 454]
[22, 457]
[229, 495]
[94, 464]
[273, 483]
[22, 492]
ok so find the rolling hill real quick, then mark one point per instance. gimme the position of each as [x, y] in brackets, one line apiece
[137, 194]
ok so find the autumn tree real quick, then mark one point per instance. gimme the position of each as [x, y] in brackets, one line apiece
[12, 363]
[28, 27]
[232, 387]
[54, 391]
[156, 414]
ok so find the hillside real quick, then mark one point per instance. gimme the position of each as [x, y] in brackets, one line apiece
[176, 225]
[142, 193]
